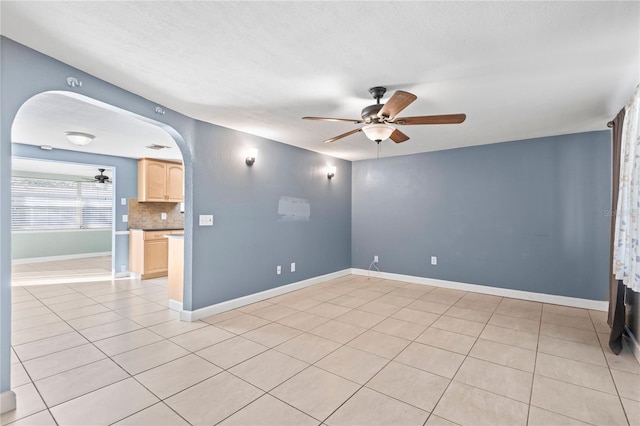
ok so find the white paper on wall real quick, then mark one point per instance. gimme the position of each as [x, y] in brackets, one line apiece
[293, 209]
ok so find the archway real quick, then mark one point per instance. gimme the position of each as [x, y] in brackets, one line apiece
[121, 138]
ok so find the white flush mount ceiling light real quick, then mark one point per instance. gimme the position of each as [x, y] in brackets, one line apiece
[157, 147]
[378, 132]
[79, 138]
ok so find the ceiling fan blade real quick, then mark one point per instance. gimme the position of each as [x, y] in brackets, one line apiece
[344, 135]
[431, 119]
[346, 120]
[396, 103]
[398, 137]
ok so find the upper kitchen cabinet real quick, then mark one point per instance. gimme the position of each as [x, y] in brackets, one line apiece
[160, 181]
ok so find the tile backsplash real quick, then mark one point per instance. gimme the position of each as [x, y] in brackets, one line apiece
[148, 215]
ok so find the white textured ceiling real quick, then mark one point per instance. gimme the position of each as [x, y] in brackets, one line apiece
[44, 119]
[517, 69]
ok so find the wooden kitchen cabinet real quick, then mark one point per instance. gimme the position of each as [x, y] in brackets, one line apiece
[176, 268]
[149, 252]
[160, 181]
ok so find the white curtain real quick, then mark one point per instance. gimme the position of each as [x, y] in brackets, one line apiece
[626, 254]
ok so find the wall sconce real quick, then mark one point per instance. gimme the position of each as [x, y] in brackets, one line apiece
[251, 157]
[331, 172]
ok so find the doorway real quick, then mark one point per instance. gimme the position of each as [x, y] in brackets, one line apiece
[62, 222]
[117, 140]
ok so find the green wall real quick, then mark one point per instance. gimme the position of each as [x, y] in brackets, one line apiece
[27, 244]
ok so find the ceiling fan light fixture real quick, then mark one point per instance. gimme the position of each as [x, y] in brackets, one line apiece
[79, 138]
[378, 132]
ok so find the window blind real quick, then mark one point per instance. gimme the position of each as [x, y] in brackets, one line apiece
[60, 204]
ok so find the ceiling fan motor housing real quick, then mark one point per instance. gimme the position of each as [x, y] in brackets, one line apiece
[101, 178]
[370, 113]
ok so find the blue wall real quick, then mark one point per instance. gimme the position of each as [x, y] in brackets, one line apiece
[26, 245]
[528, 215]
[239, 254]
[125, 180]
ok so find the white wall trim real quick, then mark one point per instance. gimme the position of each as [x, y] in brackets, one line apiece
[257, 297]
[597, 305]
[55, 258]
[635, 346]
[125, 274]
[174, 305]
[7, 401]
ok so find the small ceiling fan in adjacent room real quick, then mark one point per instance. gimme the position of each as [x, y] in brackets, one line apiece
[380, 120]
[101, 178]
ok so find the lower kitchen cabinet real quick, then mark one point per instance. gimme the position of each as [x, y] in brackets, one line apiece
[149, 252]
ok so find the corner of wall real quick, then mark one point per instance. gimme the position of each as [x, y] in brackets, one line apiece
[7, 401]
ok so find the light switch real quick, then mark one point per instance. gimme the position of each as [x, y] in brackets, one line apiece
[293, 266]
[123, 201]
[125, 218]
[163, 216]
[206, 220]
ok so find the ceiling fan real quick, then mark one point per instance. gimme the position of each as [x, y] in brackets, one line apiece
[101, 178]
[380, 120]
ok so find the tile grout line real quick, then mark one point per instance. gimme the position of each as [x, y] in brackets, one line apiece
[555, 379]
[535, 361]
[383, 367]
[88, 342]
[127, 372]
[459, 367]
[328, 354]
[615, 385]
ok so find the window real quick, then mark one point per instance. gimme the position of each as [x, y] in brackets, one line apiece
[60, 204]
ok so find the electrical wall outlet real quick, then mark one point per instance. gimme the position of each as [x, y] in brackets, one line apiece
[206, 220]
[123, 268]
[123, 201]
[434, 260]
[375, 259]
[163, 216]
[293, 266]
[278, 270]
[125, 218]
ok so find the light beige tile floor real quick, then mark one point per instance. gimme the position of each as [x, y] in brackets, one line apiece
[84, 270]
[352, 351]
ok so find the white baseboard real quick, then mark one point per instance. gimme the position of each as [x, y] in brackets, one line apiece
[257, 297]
[597, 305]
[174, 305]
[125, 274]
[7, 401]
[56, 258]
[635, 346]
